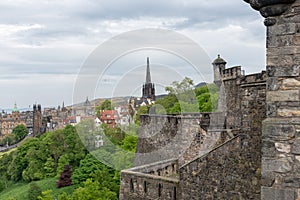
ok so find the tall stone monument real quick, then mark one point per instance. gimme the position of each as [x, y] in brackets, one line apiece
[281, 130]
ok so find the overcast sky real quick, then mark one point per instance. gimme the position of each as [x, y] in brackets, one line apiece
[44, 43]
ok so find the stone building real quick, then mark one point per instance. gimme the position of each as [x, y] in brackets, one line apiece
[9, 121]
[109, 117]
[261, 158]
[37, 128]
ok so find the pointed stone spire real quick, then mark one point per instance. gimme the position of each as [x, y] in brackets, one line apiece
[148, 76]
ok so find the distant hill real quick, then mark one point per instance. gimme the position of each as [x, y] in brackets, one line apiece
[200, 84]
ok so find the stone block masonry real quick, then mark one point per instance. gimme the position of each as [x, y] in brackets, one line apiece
[280, 135]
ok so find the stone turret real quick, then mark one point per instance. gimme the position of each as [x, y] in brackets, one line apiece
[281, 138]
[219, 66]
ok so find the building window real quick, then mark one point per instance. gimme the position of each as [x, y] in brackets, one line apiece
[198, 137]
[159, 189]
[131, 185]
[145, 186]
[174, 193]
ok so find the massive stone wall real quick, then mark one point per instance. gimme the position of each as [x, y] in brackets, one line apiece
[164, 137]
[230, 171]
[280, 155]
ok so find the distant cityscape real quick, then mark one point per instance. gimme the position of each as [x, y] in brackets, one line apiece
[39, 120]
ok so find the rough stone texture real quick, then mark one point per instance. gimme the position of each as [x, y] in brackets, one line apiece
[153, 181]
[231, 171]
[164, 137]
[283, 96]
[277, 194]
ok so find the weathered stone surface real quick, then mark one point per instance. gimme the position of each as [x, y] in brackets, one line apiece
[288, 113]
[267, 178]
[290, 84]
[292, 181]
[269, 8]
[282, 70]
[283, 29]
[277, 194]
[278, 132]
[282, 147]
[268, 149]
[218, 172]
[296, 147]
[281, 165]
[286, 95]
[297, 158]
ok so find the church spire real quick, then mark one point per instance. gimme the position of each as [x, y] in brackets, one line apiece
[148, 87]
[148, 76]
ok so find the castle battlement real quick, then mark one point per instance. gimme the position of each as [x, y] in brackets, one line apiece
[231, 73]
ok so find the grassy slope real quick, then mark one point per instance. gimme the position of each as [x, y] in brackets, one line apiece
[19, 191]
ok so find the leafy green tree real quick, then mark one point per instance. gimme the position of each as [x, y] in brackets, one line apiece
[34, 191]
[208, 98]
[115, 135]
[19, 159]
[105, 105]
[2, 186]
[34, 171]
[49, 167]
[130, 143]
[46, 195]
[62, 162]
[87, 166]
[91, 190]
[20, 131]
[64, 196]
[182, 87]
[141, 111]
[166, 104]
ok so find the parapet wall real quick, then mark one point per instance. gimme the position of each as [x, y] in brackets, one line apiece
[164, 137]
[155, 181]
[231, 73]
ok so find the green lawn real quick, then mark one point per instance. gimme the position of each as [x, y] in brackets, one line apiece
[19, 191]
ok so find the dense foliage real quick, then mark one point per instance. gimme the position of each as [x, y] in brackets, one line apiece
[59, 154]
[183, 97]
[105, 105]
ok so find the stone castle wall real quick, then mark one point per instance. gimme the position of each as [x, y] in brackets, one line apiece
[155, 181]
[164, 137]
[227, 172]
[280, 135]
[230, 171]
